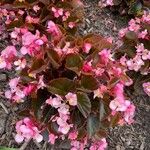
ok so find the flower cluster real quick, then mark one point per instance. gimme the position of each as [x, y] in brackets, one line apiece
[74, 83]
[135, 48]
[26, 130]
[133, 7]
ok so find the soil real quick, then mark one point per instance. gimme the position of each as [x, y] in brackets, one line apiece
[132, 137]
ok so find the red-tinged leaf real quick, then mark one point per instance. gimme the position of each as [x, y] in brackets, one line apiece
[61, 86]
[84, 104]
[74, 62]
[17, 23]
[20, 5]
[97, 41]
[117, 2]
[113, 82]
[45, 2]
[37, 101]
[115, 119]
[54, 58]
[81, 133]
[38, 65]
[89, 82]
[100, 134]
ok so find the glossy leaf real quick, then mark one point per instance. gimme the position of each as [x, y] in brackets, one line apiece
[89, 82]
[37, 66]
[92, 125]
[61, 86]
[54, 58]
[74, 62]
[84, 104]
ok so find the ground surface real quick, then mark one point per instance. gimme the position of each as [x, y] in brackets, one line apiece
[134, 137]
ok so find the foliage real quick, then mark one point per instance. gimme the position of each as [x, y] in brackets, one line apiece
[134, 52]
[131, 7]
[74, 84]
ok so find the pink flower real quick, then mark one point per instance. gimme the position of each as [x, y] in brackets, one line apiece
[143, 34]
[24, 50]
[99, 145]
[71, 25]
[21, 63]
[116, 105]
[87, 67]
[41, 83]
[64, 129]
[7, 57]
[72, 99]
[13, 83]
[3, 63]
[57, 12]
[87, 47]
[30, 19]
[36, 8]
[105, 56]
[54, 102]
[52, 28]
[100, 91]
[63, 109]
[73, 135]
[123, 32]
[146, 87]
[27, 90]
[28, 38]
[99, 71]
[129, 114]
[27, 130]
[52, 138]
[133, 26]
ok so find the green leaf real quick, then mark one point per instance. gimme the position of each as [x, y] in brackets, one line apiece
[131, 35]
[102, 111]
[6, 148]
[135, 7]
[89, 82]
[92, 125]
[74, 62]
[61, 86]
[84, 104]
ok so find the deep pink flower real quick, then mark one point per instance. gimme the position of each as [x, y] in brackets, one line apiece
[26, 130]
[52, 138]
[87, 47]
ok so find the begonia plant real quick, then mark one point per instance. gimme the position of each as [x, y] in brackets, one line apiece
[134, 52]
[74, 84]
[131, 7]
